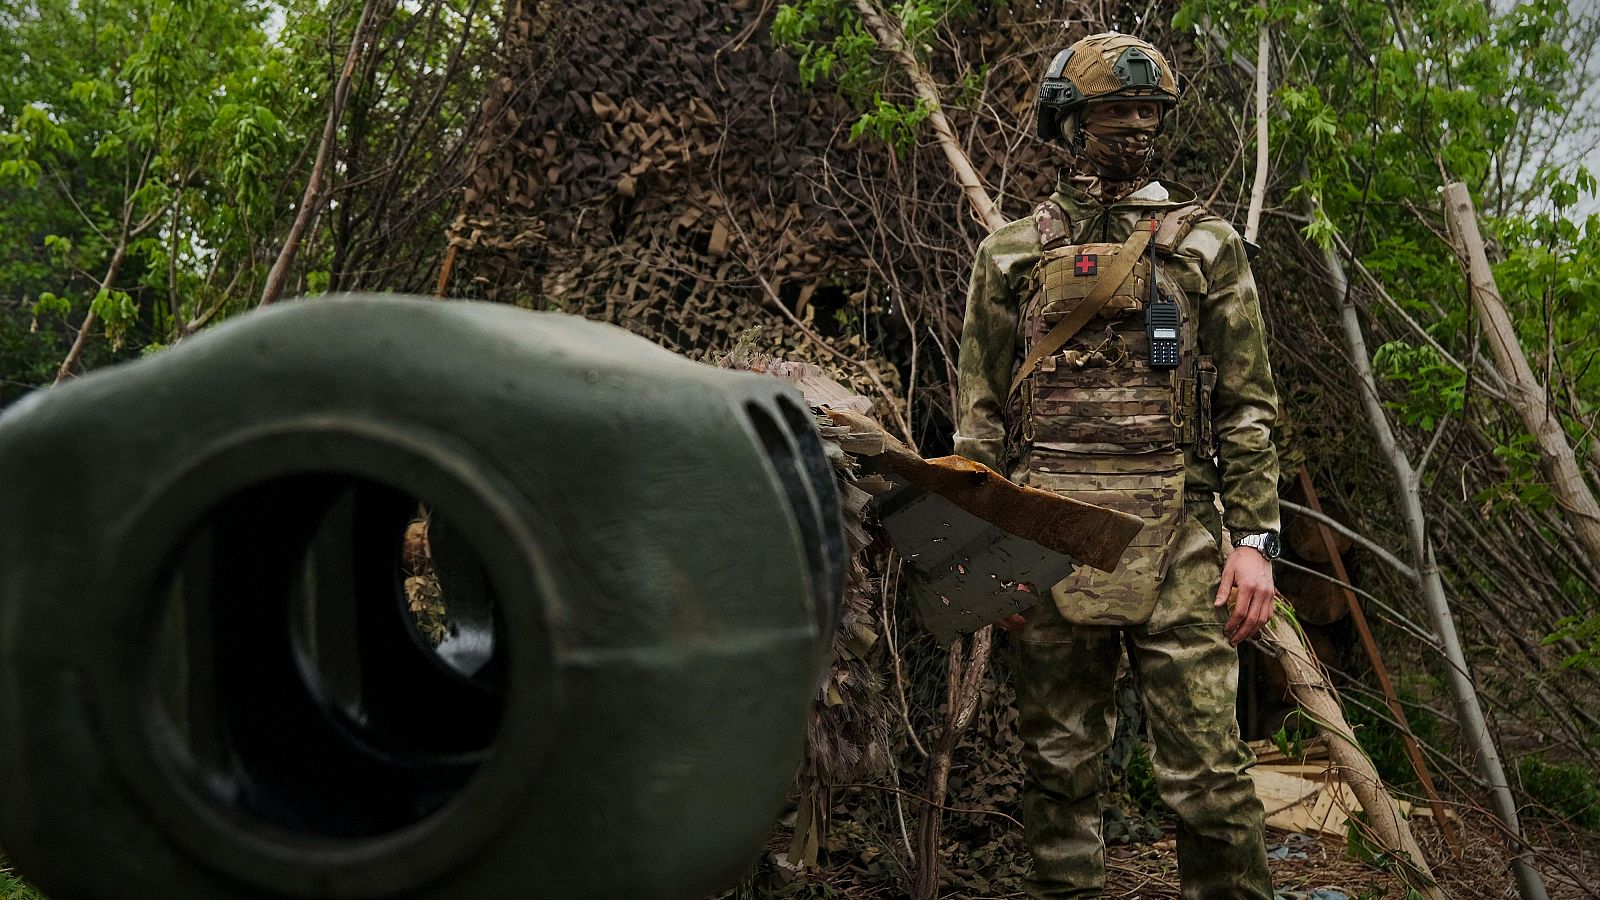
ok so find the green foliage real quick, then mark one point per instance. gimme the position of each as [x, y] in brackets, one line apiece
[1134, 803]
[1434, 388]
[1396, 103]
[1447, 89]
[1359, 846]
[834, 45]
[1382, 740]
[1139, 777]
[1585, 630]
[114, 125]
[1291, 741]
[317, 282]
[1551, 272]
[153, 153]
[14, 888]
[1551, 278]
[971, 86]
[116, 311]
[891, 123]
[1568, 790]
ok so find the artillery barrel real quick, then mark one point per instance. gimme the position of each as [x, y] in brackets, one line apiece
[218, 677]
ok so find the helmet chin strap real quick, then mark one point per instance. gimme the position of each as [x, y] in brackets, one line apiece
[1071, 133]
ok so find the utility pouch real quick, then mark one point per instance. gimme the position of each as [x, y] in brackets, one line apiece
[1148, 485]
[1205, 437]
[1186, 389]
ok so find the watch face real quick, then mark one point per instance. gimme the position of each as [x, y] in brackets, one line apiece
[1267, 542]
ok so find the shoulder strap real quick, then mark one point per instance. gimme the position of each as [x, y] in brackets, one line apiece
[1176, 225]
[1110, 280]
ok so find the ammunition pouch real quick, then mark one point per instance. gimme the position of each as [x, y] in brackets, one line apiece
[1195, 381]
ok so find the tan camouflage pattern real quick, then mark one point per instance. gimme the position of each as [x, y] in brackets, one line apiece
[1187, 676]
[1119, 147]
[1127, 595]
[1102, 426]
[1050, 223]
[1211, 268]
[1091, 67]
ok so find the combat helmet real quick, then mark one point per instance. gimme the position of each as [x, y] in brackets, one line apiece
[1099, 67]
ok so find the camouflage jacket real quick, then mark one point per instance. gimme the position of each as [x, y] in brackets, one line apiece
[1210, 264]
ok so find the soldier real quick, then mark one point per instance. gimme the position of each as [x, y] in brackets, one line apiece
[1113, 351]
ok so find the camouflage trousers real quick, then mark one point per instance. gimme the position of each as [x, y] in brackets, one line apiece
[1187, 676]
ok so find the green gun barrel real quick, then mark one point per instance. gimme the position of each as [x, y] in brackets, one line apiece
[213, 681]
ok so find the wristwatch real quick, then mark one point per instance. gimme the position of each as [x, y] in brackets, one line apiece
[1265, 542]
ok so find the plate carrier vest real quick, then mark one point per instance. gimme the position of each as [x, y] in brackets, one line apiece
[1093, 420]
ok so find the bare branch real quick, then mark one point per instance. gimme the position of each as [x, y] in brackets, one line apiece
[311, 200]
[1388, 558]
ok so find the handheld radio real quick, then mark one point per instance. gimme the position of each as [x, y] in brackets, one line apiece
[1162, 319]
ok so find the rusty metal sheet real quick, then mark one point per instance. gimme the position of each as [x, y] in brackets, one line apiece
[1091, 535]
[979, 547]
[965, 573]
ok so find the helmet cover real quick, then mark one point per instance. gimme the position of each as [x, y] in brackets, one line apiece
[1101, 67]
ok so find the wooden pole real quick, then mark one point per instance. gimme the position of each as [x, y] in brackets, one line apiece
[1359, 616]
[444, 269]
[1523, 389]
[1320, 701]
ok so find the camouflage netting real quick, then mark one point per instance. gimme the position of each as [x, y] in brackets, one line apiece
[658, 166]
[638, 185]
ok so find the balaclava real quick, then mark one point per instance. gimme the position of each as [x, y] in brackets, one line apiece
[1114, 153]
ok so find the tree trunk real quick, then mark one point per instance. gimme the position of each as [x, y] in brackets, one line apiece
[1523, 389]
[962, 682]
[128, 230]
[311, 200]
[1473, 725]
[965, 173]
[1258, 189]
[64, 370]
[963, 679]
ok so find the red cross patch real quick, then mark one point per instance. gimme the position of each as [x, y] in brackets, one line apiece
[1084, 263]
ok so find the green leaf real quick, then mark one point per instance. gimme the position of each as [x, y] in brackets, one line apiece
[50, 303]
[1184, 19]
[108, 145]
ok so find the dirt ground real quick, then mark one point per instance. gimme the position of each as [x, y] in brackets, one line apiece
[1151, 871]
[1301, 866]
